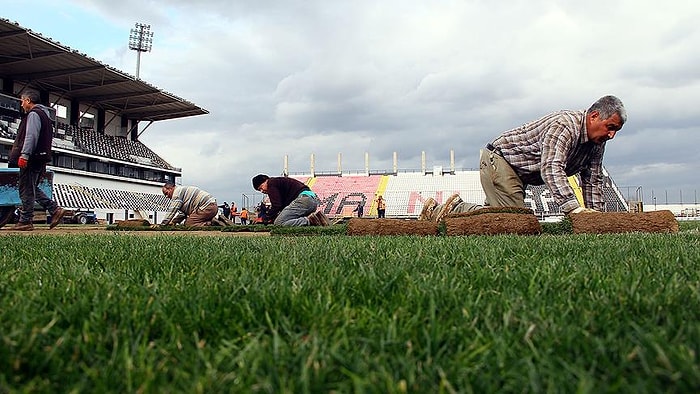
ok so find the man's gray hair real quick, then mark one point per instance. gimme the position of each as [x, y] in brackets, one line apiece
[32, 94]
[168, 185]
[608, 106]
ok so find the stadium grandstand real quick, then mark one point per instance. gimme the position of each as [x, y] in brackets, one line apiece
[98, 162]
[405, 191]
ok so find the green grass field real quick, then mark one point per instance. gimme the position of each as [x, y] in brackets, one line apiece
[331, 313]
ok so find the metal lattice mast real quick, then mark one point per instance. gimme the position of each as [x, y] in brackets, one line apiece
[140, 40]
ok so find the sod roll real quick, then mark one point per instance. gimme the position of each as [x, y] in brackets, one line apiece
[133, 223]
[357, 226]
[624, 222]
[492, 223]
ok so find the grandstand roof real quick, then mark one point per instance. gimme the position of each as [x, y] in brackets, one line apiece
[27, 56]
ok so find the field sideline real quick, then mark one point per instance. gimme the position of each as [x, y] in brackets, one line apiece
[549, 313]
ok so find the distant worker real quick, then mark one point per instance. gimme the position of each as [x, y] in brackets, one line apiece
[225, 210]
[546, 152]
[292, 202]
[244, 216]
[31, 151]
[191, 204]
[261, 213]
[360, 209]
[234, 211]
[381, 207]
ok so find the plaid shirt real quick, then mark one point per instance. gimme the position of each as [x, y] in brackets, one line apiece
[186, 200]
[552, 148]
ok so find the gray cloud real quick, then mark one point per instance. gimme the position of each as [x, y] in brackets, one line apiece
[315, 77]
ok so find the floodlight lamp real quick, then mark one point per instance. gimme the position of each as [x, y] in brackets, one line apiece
[141, 38]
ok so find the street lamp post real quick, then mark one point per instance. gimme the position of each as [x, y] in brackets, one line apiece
[140, 40]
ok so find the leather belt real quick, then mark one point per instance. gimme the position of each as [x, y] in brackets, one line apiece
[493, 149]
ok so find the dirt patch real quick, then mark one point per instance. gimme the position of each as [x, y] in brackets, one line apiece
[358, 226]
[624, 222]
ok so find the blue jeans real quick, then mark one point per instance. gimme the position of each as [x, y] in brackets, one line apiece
[295, 214]
[30, 193]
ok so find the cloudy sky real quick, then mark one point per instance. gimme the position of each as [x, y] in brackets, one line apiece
[325, 77]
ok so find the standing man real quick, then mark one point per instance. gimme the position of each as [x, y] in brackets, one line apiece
[191, 204]
[244, 216]
[360, 209]
[225, 210]
[292, 202]
[233, 211]
[381, 207]
[546, 152]
[31, 151]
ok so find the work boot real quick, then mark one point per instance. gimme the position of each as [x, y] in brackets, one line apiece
[56, 217]
[313, 220]
[428, 207]
[448, 206]
[20, 226]
[224, 220]
[318, 218]
[322, 218]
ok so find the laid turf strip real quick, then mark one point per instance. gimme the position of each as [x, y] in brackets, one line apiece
[492, 224]
[358, 226]
[624, 222]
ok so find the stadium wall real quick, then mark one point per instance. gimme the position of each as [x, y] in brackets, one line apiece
[405, 193]
[680, 211]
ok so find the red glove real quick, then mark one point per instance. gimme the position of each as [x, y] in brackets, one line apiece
[22, 162]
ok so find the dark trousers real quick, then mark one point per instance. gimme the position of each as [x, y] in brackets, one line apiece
[30, 193]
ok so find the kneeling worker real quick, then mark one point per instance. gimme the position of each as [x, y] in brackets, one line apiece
[292, 202]
[191, 204]
[546, 152]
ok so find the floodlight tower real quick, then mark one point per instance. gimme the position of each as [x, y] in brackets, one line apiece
[140, 40]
